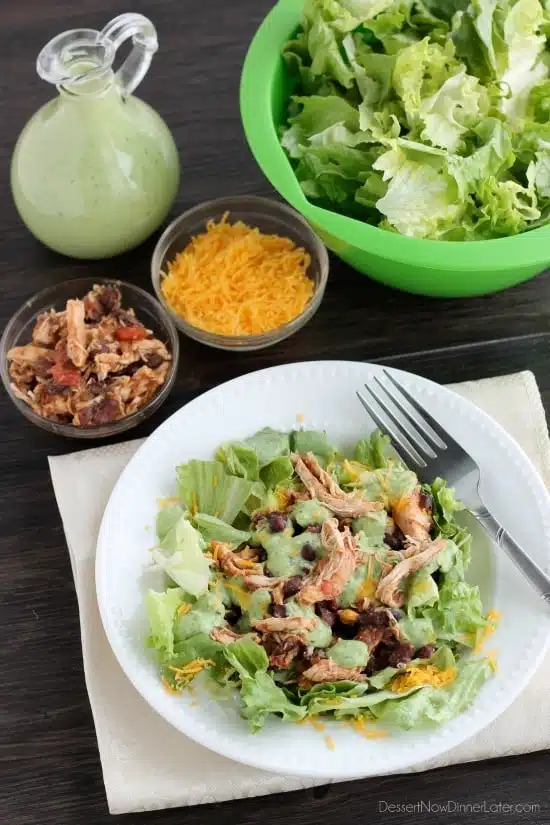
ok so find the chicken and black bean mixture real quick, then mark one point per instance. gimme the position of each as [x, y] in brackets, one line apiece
[92, 363]
[318, 584]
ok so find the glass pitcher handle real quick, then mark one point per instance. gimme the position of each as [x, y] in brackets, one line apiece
[144, 46]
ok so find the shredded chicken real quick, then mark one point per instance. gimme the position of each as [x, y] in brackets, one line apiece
[226, 636]
[29, 354]
[325, 670]
[47, 328]
[283, 648]
[321, 486]
[92, 363]
[76, 333]
[371, 636]
[275, 584]
[411, 518]
[381, 626]
[331, 573]
[231, 563]
[388, 587]
[288, 624]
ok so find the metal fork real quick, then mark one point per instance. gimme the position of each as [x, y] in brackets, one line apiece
[426, 447]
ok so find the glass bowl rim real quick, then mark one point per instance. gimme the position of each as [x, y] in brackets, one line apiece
[240, 343]
[100, 430]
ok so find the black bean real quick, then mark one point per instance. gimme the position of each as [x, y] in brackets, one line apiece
[109, 298]
[344, 631]
[395, 540]
[51, 388]
[233, 614]
[277, 522]
[374, 618]
[95, 387]
[425, 501]
[397, 613]
[154, 360]
[380, 660]
[277, 610]
[425, 652]
[308, 553]
[325, 613]
[292, 586]
[401, 654]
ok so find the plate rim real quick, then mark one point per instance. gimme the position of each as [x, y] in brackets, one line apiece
[398, 764]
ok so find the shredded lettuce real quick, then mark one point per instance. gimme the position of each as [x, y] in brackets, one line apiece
[312, 441]
[206, 487]
[277, 472]
[260, 695]
[458, 614]
[181, 557]
[373, 451]
[161, 611]
[236, 499]
[435, 705]
[214, 529]
[393, 104]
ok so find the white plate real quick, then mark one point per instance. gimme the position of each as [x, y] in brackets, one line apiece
[324, 394]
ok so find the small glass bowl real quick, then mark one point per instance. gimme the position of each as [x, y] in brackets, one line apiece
[268, 216]
[148, 311]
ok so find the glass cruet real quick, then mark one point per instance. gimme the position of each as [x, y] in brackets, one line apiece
[95, 171]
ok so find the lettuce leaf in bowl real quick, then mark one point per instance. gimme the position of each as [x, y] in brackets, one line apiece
[424, 118]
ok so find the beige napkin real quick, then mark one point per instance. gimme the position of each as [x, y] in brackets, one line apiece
[147, 764]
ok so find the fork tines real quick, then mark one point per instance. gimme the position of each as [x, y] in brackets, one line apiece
[414, 432]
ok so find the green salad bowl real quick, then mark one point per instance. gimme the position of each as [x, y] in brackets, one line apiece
[440, 268]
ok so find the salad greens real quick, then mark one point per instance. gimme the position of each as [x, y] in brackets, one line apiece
[312, 583]
[430, 118]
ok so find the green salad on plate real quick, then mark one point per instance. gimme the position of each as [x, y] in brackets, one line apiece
[317, 584]
[430, 118]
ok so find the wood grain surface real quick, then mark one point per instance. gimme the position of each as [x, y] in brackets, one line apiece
[50, 766]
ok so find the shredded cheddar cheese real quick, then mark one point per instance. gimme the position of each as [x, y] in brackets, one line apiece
[168, 687]
[329, 741]
[184, 609]
[494, 617]
[421, 676]
[366, 728]
[243, 597]
[167, 502]
[186, 673]
[234, 280]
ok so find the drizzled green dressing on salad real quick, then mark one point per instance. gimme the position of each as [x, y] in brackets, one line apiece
[259, 569]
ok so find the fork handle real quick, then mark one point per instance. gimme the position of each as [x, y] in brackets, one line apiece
[531, 570]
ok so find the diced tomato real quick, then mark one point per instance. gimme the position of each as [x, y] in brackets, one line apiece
[64, 376]
[130, 333]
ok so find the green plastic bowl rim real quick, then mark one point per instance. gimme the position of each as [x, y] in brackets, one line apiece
[531, 248]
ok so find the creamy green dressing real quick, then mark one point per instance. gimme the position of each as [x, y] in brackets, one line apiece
[284, 553]
[310, 512]
[207, 613]
[321, 635]
[349, 653]
[370, 530]
[350, 594]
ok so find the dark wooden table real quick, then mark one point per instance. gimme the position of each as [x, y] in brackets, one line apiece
[51, 771]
